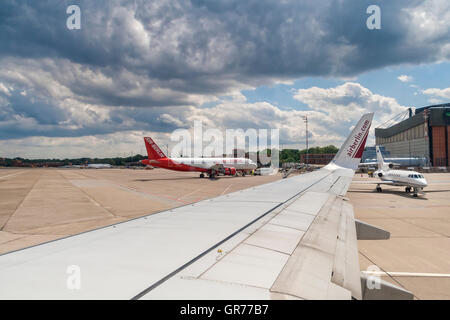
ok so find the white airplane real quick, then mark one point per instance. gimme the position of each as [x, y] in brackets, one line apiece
[209, 166]
[405, 178]
[294, 238]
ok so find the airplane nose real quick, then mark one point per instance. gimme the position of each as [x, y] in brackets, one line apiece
[423, 182]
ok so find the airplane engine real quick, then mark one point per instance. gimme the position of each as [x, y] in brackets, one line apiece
[230, 171]
[380, 174]
[391, 165]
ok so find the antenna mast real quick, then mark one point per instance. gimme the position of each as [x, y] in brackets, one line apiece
[305, 119]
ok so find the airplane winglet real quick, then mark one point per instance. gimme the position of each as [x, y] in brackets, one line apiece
[350, 153]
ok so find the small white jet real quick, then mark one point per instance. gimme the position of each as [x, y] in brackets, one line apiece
[411, 180]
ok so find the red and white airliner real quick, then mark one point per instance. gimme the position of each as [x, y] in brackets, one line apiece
[210, 166]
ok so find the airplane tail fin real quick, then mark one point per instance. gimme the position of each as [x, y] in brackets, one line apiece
[153, 151]
[350, 153]
[380, 160]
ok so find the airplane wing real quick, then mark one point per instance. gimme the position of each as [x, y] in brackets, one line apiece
[290, 239]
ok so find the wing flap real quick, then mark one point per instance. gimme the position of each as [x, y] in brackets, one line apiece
[325, 263]
[346, 272]
[308, 271]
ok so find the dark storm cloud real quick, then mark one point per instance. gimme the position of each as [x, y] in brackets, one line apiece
[156, 54]
[24, 114]
[264, 38]
[44, 112]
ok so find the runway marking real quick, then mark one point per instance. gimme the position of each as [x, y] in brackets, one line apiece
[408, 274]
[226, 189]
[88, 196]
[152, 196]
[2, 228]
[187, 195]
[12, 174]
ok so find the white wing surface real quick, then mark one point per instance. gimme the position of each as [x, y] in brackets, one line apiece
[290, 239]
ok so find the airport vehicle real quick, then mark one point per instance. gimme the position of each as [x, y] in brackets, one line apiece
[411, 180]
[210, 166]
[294, 238]
[91, 166]
[99, 165]
[265, 171]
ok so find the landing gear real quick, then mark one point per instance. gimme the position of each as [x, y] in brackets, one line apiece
[379, 188]
[408, 189]
[416, 190]
[202, 175]
[212, 175]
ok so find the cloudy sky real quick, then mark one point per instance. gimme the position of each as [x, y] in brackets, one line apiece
[140, 68]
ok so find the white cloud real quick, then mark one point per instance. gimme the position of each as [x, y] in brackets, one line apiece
[405, 78]
[331, 113]
[4, 89]
[109, 145]
[348, 101]
[441, 93]
[342, 106]
[435, 101]
[429, 23]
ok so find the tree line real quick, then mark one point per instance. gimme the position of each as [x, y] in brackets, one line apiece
[286, 155]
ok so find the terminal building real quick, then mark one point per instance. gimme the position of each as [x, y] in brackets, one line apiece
[425, 134]
[370, 156]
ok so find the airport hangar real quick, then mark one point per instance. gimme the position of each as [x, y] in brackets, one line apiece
[426, 133]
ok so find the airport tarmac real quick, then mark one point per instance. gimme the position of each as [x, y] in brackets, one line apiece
[39, 205]
[417, 256]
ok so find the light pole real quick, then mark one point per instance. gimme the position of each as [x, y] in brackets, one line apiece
[305, 119]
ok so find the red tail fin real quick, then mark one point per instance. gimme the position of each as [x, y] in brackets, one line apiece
[153, 151]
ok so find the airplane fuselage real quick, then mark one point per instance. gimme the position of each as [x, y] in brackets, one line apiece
[402, 178]
[201, 164]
